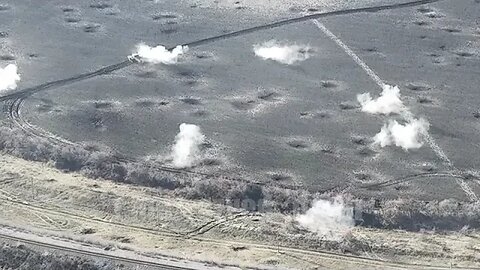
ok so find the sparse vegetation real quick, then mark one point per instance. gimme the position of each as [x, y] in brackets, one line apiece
[101, 162]
[22, 258]
[415, 215]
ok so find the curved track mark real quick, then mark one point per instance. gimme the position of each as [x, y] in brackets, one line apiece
[54, 84]
[18, 97]
[14, 107]
[283, 249]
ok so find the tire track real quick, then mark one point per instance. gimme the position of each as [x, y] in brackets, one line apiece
[14, 113]
[43, 210]
[126, 63]
[93, 253]
[25, 93]
[215, 223]
[14, 110]
[413, 177]
[264, 247]
[16, 99]
[307, 18]
[406, 115]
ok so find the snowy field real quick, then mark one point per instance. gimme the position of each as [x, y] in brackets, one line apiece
[339, 102]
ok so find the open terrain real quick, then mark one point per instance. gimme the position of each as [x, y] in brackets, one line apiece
[263, 120]
[275, 133]
[103, 215]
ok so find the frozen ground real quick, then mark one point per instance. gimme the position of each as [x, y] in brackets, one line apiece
[132, 222]
[296, 123]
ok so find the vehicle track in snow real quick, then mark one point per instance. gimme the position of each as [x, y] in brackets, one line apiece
[14, 101]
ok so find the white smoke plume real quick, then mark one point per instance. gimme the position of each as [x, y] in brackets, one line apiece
[285, 54]
[408, 136]
[159, 54]
[389, 101]
[9, 77]
[329, 219]
[186, 151]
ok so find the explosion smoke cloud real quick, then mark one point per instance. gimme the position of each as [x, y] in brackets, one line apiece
[389, 101]
[411, 135]
[159, 54]
[285, 54]
[330, 219]
[186, 151]
[9, 77]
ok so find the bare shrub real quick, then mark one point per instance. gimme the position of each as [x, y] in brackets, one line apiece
[287, 201]
[98, 161]
[208, 189]
[15, 142]
[70, 158]
[142, 174]
[104, 165]
[22, 258]
[414, 215]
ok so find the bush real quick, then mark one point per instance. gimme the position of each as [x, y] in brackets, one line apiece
[413, 215]
[145, 175]
[100, 162]
[70, 158]
[15, 142]
[287, 201]
[22, 258]
[104, 165]
[254, 192]
[210, 190]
